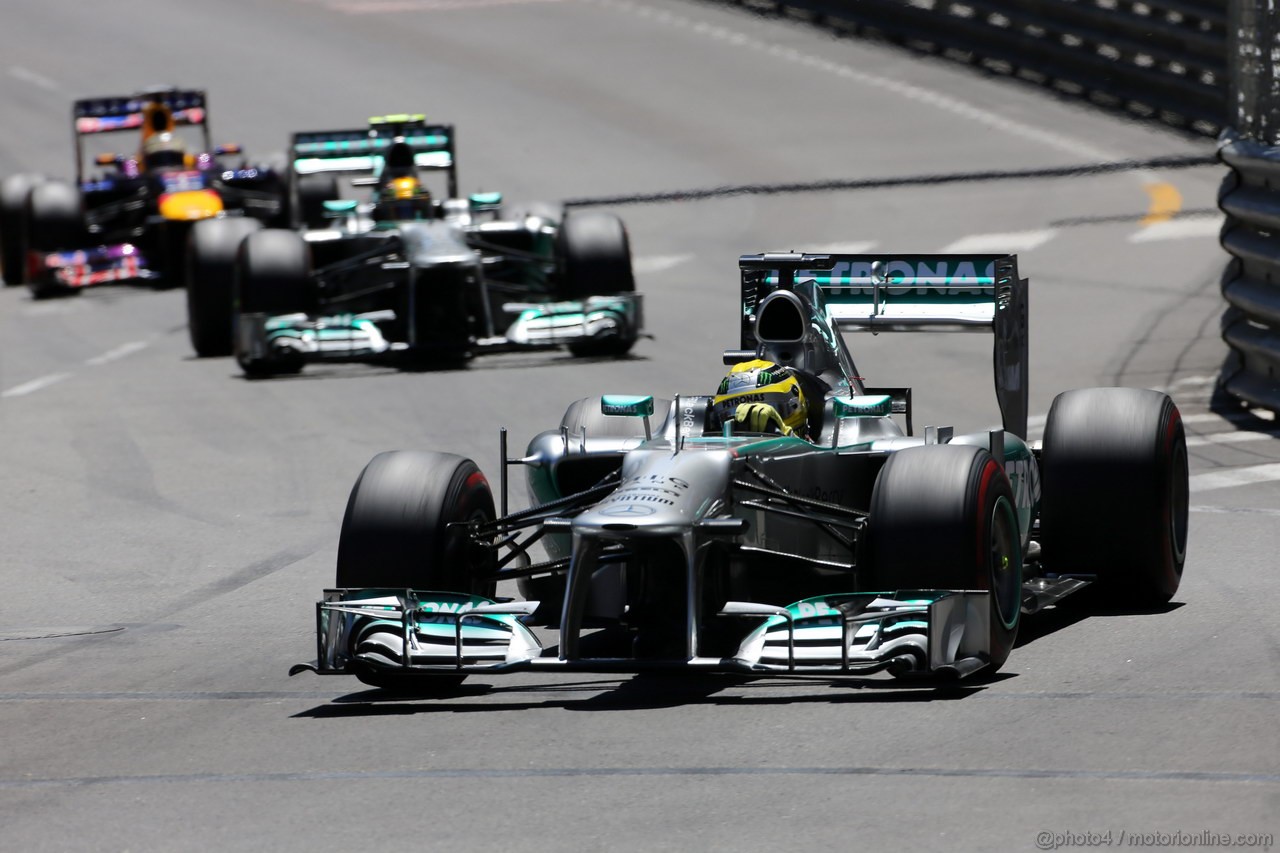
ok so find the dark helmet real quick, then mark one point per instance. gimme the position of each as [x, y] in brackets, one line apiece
[164, 151]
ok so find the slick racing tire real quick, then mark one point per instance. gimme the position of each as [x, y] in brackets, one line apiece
[280, 168]
[310, 194]
[210, 279]
[56, 217]
[943, 517]
[272, 277]
[1114, 495]
[15, 194]
[396, 532]
[595, 255]
[174, 238]
[595, 258]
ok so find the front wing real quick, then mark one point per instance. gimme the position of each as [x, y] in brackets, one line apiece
[90, 267]
[346, 337]
[920, 632]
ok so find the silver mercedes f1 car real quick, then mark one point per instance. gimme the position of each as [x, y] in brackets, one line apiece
[406, 278]
[661, 536]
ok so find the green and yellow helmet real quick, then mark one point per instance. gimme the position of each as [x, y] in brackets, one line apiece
[760, 381]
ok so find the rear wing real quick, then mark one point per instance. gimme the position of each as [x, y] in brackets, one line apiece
[907, 293]
[362, 150]
[125, 112]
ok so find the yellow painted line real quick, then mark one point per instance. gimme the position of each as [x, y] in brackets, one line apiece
[1165, 202]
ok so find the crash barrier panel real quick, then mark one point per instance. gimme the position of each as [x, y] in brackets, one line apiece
[1163, 59]
[1250, 197]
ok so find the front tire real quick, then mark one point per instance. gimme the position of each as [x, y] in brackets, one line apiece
[595, 260]
[1114, 495]
[56, 217]
[400, 531]
[943, 517]
[210, 279]
[272, 278]
[15, 194]
[595, 255]
[396, 532]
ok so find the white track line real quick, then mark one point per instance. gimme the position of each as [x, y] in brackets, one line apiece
[1014, 241]
[1193, 380]
[117, 353]
[1232, 510]
[34, 78]
[35, 385]
[384, 7]
[1214, 417]
[53, 378]
[1235, 477]
[1228, 438]
[657, 263]
[1178, 229]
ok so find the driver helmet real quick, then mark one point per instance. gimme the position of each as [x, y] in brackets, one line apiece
[760, 381]
[404, 198]
[164, 150]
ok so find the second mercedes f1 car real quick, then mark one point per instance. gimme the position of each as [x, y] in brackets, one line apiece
[407, 277]
[791, 524]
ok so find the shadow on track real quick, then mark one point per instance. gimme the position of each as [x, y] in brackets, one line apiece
[507, 361]
[646, 691]
[1072, 611]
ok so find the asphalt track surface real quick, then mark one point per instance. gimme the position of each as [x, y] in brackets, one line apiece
[168, 525]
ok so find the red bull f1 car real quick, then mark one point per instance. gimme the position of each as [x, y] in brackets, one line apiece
[665, 535]
[408, 277]
[128, 214]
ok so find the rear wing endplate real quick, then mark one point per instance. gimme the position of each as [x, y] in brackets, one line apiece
[907, 293]
[362, 149]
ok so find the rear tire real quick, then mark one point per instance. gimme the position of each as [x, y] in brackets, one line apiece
[210, 279]
[272, 277]
[15, 194]
[280, 167]
[174, 238]
[943, 517]
[1114, 495]
[311, 192]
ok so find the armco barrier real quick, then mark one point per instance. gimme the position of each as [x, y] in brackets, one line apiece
[1164, 59]
[1250, 196]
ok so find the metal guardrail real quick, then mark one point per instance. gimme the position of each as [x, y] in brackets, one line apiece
[1162, 59]
[1250, 197]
